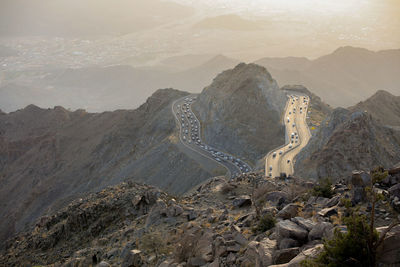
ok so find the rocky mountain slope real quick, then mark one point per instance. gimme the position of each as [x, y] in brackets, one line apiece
[50, 156]
[353, 139]
[241, 112]
[351, 72]
[383, 106]
[137, 225]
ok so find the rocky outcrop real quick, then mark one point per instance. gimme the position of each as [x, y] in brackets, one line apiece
[241, 112]
[383, 107]
[347, 141]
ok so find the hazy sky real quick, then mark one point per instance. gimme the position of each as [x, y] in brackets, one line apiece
[373, 24]
[162, 28]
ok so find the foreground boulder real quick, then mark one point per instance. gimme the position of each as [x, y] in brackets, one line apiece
[389, 252]
[133, 259]
[288, 229]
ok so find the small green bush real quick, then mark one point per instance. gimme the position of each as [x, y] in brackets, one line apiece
[349, 249]
[323, 188]
[266, 222]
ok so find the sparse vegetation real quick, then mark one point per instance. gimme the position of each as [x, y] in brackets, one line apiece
[258, 197]
[154, 242]
[323, 188]
[266, 223]
[185, 247]
[359, 244]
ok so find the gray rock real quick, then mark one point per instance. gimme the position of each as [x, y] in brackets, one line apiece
[285, 255]
[360, 179]
[310, 253]
[389, 251]
[133, 259]
[103, 264]
[174, 210]
[112, 253]
[288, 229]
[231, 258]
[192, 215]
[394, 191]
[128, 247]
[289, 211]
[288, 243]
[167, 263]
[219, 247]
[196, 261]
[241, 201]
[158, 211]
[215, 263]
[333, 201]
[304, 223]
[265, 251]
[276, 197]
[358, 195]
[322, 229]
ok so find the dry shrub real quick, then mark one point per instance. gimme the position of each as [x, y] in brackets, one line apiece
[154, 242]
[186, 245]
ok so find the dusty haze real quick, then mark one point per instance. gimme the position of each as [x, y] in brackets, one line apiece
[180, 43]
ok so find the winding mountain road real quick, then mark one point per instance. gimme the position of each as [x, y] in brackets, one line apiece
[190, 137]
[281, 160]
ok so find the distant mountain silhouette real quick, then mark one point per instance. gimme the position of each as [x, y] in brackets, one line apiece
[107, 88]
[342, 78]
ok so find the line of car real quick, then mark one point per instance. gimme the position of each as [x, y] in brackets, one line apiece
[294, 137]
[190, 133]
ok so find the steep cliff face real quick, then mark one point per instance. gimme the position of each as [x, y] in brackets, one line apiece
[347, 141]
[241, 112]
[50, 156]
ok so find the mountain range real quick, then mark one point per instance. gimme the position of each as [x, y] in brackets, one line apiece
[353, 73]
[49, 157]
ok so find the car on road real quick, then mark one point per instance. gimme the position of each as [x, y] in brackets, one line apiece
[274, 154]
[290, 146]
[288, 161]
[270, 167]
[280, 152]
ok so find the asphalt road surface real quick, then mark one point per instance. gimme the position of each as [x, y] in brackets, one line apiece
[190, 137]
[297, 136]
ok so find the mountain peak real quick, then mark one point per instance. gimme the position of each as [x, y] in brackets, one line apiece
[31, 108]
[351, 50]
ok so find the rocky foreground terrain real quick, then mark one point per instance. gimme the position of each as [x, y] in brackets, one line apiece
[216, 225]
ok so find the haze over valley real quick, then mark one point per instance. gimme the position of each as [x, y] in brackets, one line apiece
[200, 133]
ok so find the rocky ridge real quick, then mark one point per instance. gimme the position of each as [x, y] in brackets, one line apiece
[50, 156]
[354, 138]
[241, 112]
[138, 225]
